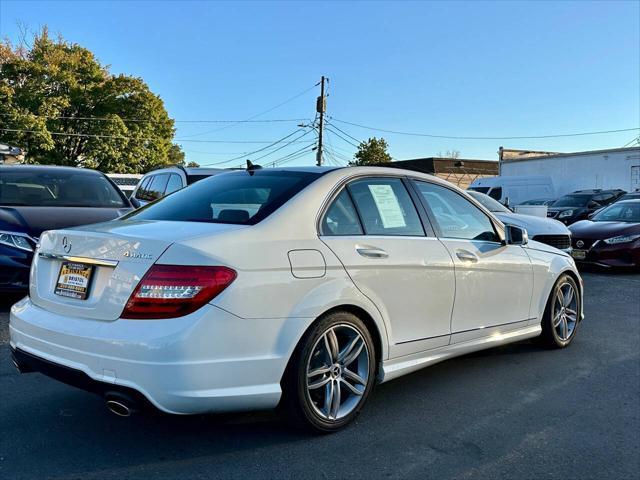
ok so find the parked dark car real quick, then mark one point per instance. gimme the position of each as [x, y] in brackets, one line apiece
[581, 203]
[35, 198]
[159, 183]
[611, 238]
[630, 196]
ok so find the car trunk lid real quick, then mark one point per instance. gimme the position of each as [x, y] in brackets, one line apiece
[118, 253]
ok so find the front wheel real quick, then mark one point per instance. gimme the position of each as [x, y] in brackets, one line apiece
[331, 373]
[562, 315]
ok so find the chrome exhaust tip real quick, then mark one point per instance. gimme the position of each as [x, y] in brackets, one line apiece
[119, 408]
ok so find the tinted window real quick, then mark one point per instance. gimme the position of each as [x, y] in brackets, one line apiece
[385, 207]
[238, 197]
[455, 216]
[496, 193]
[571, 201]
[58, 189]
[157, 186]
[141, 192]
[604, 198]
[341, 217]
[174, 183]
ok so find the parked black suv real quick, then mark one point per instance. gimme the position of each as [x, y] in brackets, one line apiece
[580, 204]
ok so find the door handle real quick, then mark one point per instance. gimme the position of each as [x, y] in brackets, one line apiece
[371, 252]
[466, 256]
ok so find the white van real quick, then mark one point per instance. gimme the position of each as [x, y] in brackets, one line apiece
[515, 190]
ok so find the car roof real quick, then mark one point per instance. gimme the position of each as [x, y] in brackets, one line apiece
[48, 168]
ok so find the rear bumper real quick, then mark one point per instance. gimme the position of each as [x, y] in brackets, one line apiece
[209, 361]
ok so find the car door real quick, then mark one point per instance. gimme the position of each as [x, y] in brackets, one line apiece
[394, 258]
[494, 281]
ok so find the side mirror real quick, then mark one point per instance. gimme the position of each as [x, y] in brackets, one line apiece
[515, 235]
[134, 201]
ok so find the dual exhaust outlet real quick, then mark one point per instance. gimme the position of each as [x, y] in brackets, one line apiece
[117, 402]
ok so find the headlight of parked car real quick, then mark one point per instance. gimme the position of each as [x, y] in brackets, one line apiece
[566, 213]
[621, 239]
[16, 240]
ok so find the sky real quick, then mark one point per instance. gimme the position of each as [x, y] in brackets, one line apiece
[458, 69]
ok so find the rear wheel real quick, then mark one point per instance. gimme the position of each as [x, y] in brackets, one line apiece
[562, 315]
[331, 373]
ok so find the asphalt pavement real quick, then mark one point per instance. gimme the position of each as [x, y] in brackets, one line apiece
[518, 411]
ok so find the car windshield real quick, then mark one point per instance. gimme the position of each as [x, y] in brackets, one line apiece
[63, 188]
[571, 201]
[240, 197]
[489, 203]
[535, 202]
[480, 189]
[619, 212]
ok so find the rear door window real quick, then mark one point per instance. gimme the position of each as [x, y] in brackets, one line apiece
[385, 207]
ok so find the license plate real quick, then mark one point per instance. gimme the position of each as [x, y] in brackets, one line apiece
[74, 280]
[579, 254]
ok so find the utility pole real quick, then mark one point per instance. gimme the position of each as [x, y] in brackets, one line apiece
[321, 107]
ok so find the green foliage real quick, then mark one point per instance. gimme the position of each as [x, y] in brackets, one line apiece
[372, 152]
[55, 87]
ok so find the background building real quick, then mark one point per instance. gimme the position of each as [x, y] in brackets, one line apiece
[606, 169]
[458, 171]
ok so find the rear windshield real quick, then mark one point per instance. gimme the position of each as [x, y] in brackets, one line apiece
[236, 197]
[47, 188]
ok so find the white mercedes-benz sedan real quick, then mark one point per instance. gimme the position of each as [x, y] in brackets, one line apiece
[291, 287]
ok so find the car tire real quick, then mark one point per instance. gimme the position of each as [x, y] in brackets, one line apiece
[562, 313]
[330, 375]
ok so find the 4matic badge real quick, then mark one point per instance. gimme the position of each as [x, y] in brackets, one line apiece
[143, 256]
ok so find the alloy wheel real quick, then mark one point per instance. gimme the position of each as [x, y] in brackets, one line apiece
[337, 372]
[565, 311]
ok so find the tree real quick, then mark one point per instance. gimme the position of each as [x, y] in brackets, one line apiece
[372, 152]
[61, 105]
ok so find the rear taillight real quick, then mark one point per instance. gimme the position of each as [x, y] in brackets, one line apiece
[168, 291]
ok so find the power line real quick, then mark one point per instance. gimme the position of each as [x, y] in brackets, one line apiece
[456, 137]
[257, 114]
[123, 137]
[245, 155]
[142, 120]
[341, 137]
[342, 131]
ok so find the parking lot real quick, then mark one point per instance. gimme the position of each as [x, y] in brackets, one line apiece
[511, 412]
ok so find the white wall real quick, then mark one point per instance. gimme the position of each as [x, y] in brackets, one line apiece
[581, 171]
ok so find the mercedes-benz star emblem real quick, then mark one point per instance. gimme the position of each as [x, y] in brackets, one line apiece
[579, 244]
[66, 245]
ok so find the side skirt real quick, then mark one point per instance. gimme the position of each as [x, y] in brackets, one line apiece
[397, 367]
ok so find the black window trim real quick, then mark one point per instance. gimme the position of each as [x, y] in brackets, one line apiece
[497, 227]
[428, 231]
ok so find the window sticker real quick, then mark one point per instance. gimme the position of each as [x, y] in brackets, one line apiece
[388, 206]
